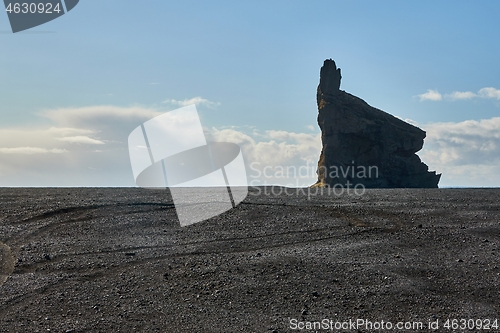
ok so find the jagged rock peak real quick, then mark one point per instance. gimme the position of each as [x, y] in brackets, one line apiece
[329, 78]
[364, 145]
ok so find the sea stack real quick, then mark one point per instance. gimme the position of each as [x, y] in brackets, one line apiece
[364, 145]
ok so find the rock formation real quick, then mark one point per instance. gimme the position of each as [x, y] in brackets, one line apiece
[365, 145]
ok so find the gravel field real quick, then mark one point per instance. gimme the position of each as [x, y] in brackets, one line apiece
[116, 260]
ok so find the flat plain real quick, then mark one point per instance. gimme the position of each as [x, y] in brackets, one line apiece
[117, 260]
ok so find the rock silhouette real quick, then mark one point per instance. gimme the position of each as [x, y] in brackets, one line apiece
[365, 145]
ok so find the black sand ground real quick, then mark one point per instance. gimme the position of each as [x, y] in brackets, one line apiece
[116, 260]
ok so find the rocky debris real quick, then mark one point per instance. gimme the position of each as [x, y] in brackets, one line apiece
[365, 145]
[252, 269]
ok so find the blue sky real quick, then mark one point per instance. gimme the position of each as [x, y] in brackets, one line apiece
[253, 67]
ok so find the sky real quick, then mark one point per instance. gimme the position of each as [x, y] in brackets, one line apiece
[73, 89]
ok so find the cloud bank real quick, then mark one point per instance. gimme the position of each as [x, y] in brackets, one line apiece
[275, 157]
[195, 100]
[31, 150]
[88, 147]
[64, 153]
[484, 93]
[467, 153]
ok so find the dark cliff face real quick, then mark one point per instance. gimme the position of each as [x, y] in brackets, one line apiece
[365, 145]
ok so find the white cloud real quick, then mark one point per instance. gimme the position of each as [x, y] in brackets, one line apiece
[465, 152]
[460, 95]
[99, 116]
[276, 151]
[31, 150]
[273, 147]
[76, 131]
[434, 95]
[47, 139]
[430, 95]
[81, 139]
[310, 127]
[195, 100]
[30, 137]
[65, 131]
[490, 92]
